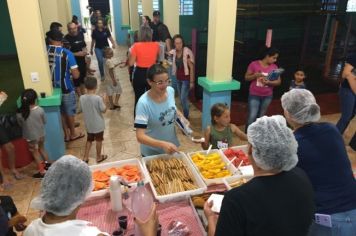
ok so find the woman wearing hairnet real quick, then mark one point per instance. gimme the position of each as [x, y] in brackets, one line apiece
[278, 201]
[63, 189]
[322, 155]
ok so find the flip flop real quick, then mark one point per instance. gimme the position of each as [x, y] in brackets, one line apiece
[78, 137]
[86, 161]
[18, 176]
[103, 158]
[6, 186]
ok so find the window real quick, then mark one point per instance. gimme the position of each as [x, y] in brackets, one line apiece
[186, 7]
[139, 7]
[156, 5]
[351, 6]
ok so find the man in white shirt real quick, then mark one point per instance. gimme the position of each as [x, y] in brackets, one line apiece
[63, 189]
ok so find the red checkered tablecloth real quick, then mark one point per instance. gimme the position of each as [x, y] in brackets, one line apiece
[98, 211]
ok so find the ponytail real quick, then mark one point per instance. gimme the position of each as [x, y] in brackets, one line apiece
[25, 108]
[28, 98]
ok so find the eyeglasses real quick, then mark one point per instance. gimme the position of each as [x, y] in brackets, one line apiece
[168, 81]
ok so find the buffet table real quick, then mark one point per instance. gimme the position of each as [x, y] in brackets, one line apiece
[98, 212]
[175, 181]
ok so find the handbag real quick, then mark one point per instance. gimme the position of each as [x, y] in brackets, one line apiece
[11, 126]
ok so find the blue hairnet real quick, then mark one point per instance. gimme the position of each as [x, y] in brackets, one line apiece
[273, 143]
[301, 105]
[65, 186]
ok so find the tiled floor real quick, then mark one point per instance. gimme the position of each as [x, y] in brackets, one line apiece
[120, 140]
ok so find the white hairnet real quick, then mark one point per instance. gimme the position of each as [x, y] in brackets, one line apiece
[301, 105]
[273, 143]
[64, 187]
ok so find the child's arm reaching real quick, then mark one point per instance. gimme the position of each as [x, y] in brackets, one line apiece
[121, 64]
[206, 143]
[238, 132]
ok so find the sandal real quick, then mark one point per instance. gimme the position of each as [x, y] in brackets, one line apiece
[81, 135]
[18, 176]
[103, 158]
[6, 186]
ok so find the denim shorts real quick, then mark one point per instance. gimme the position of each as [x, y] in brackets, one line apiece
[69, 104]
[343, 224]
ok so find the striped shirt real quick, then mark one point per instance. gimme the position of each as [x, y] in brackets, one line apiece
[61, 61]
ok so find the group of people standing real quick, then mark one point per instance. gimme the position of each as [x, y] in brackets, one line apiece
[300, 174]
[154, 40]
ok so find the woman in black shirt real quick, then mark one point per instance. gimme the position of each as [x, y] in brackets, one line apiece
[100, 36]
[278, 201]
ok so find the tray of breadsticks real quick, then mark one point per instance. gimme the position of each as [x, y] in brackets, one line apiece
[172, 177]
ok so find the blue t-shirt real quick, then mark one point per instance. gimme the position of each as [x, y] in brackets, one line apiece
[158, 119]
[322, 155]
[61, 61]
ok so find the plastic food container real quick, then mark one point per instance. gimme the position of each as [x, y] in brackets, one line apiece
[208, 182]
[242, 170]
[116, 164]
[232, 180]
[201, 187]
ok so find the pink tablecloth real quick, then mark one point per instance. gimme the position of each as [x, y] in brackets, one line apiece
[98, 211]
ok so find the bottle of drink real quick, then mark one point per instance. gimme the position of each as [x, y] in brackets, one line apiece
[115, 193]
[142, 201]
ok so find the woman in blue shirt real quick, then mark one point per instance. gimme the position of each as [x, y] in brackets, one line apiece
[156, 113]
[347, 94]
[322, 155]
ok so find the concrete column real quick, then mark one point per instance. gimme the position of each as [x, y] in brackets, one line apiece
[147, 8]
[218, 82]
[120, 29]
[125, 13]
[134, 20]
[55, 10]
[75, 5]
[30, 44]
[32, 54]
[112, 12]
[171, 15]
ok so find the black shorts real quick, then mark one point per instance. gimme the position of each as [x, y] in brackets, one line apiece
[4, 138]
[95, 137]
[78, 82]
[82, 67]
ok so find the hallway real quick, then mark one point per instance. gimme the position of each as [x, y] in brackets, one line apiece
[120, 140]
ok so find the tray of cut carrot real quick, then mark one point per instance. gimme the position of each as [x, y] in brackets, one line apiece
[131, 171]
